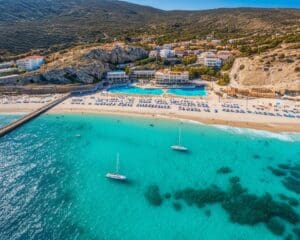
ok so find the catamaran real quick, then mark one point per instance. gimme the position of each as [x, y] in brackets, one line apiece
[116, 175]
[179, 147]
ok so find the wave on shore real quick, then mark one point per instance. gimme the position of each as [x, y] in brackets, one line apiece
[284, 136]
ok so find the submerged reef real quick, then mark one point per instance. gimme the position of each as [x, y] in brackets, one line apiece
[290, 176]
[242, 207]
[277, 172]
[224, 170]
[275, 226]
[153, 196]
[200, 197]
[177, 206]
[292, 184]
[290, 200]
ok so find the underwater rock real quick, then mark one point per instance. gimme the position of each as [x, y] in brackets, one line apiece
[297, 232]
[207, 213]
[275, 226]
[234, 179]
[289, 237]
[292, 184]
[284, 166]
[200, 197]
[167, 195]
[295, 174]
[153, 195]
[296, 167]
[256, 156]
[250, 209]
[177, 206]
[235, 187]
[290, 200]
[277, 172]
[224, 170]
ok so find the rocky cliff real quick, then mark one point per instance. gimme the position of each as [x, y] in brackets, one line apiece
[81, 65]
[278, 69]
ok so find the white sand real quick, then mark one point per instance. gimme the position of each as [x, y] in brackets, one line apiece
[87, 104]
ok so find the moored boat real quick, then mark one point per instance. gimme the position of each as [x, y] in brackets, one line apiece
[116, 175]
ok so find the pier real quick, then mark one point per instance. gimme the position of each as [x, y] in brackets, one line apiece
[5, 130]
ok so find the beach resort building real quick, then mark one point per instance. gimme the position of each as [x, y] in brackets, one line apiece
[209, 59]
[167, 53]
[154, 54]
[117, 77]
[30, 63]
[143, 74]
[168, 77]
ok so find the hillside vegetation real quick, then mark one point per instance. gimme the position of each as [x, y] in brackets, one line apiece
[275, 69]
[52, 25]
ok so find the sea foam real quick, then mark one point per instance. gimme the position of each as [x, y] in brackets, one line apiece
[283, 136]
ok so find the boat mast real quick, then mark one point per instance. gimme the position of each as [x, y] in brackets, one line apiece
[179, 136]
[118, 163]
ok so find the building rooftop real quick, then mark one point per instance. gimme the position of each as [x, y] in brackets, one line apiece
[32, 57]
[168, 71]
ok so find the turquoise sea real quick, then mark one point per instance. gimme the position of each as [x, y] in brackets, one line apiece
[6, 119]
[233, 184]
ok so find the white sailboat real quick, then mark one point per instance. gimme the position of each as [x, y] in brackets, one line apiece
[116, 175]
[179, 147]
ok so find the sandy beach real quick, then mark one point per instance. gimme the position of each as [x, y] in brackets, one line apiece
[262, 114]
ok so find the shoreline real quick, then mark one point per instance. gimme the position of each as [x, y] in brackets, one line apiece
[272, 127]
[216, 116]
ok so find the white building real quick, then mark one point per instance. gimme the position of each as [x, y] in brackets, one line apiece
[140, 74]
[117, 77]
[167, 53]
[153, 53]
[30, 63]
[209, 59]
[168, 77]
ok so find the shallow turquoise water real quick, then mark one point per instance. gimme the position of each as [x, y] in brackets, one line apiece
[199, 91]
[53, 184]
[7, 119]
[136, 90]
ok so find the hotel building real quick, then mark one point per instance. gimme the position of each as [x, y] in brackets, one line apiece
[209, 59]
[168, 77]
[143, 74]
[30, 63]
[167, 53]
[117, 77]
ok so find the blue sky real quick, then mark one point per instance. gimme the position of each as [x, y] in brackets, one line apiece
[208, 4]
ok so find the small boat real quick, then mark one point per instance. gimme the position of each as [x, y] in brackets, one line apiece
[78, 135]
[179, 147]
[116, 175]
